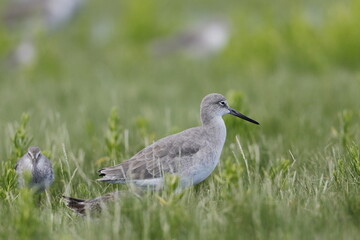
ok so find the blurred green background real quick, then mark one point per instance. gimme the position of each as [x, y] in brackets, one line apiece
[294, 66]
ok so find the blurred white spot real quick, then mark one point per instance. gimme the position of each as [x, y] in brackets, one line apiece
[58, 12]
[32, 16]
[200, 40]
[24, 54]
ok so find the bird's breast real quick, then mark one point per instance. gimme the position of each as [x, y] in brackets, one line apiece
[27, 165]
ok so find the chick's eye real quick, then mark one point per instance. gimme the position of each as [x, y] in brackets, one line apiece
[222, 103]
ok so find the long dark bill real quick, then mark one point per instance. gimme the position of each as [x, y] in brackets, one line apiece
[242, 116]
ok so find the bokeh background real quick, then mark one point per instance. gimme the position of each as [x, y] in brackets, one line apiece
[95, 76]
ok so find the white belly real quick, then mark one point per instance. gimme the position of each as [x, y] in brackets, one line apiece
[204, 171]
[152, 183]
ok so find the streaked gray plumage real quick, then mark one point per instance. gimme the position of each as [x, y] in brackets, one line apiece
[38, 167]
[191, 155]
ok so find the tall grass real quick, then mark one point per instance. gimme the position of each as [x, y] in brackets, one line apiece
[91, 100]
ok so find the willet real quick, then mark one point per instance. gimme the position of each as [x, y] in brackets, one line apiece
[191, 155]
[38, 167]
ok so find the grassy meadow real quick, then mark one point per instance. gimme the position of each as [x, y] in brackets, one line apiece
[94, 96]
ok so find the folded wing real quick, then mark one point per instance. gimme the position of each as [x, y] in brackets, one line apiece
[169, 155]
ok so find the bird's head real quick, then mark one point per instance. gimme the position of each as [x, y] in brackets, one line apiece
[215, 105]
[34, 153]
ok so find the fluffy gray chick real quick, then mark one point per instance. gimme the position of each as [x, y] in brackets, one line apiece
[38, 167]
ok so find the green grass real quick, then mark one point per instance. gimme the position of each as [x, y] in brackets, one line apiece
[94, 100]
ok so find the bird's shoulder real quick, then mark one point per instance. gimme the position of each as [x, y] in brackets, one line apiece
[21, 163]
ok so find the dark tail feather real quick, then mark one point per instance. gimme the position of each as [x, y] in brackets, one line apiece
[113, 174]
[91, 206]
[76, 204]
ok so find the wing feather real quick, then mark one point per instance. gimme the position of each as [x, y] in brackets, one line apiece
[164, 156]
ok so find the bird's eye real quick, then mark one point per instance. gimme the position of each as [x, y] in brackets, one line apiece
[222, 103]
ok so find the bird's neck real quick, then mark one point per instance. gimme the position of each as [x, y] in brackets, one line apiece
[216, 127]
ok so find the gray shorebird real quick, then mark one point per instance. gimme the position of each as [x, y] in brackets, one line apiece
[191, 155]
[38, 167]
